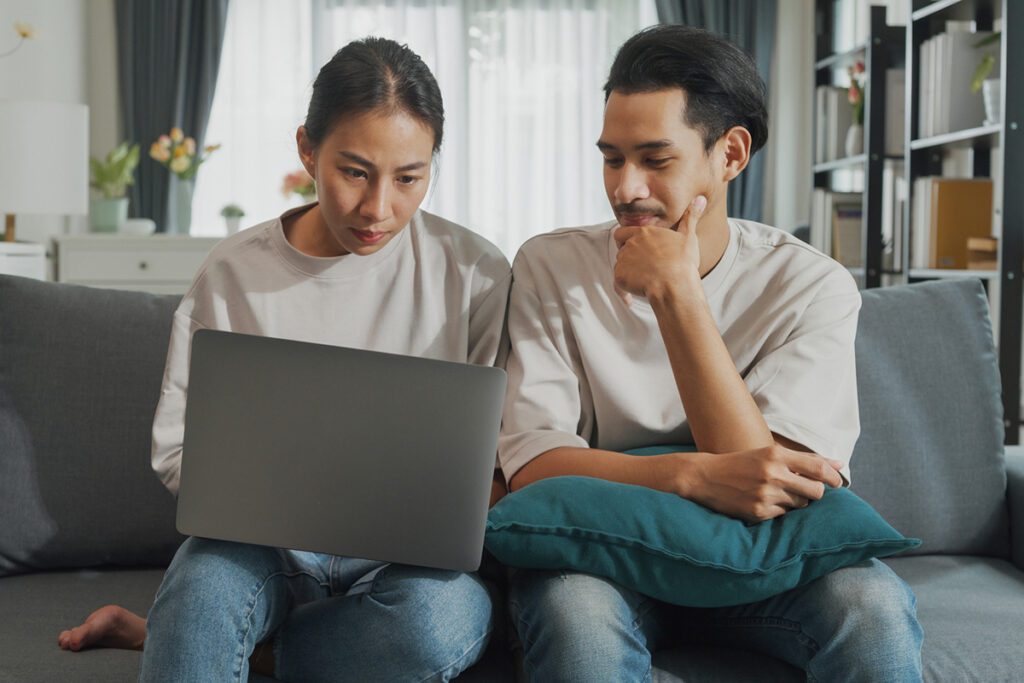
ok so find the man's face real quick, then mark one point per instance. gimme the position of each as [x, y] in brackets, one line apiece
[654, 163]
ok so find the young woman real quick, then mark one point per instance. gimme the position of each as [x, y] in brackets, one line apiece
[365, 268]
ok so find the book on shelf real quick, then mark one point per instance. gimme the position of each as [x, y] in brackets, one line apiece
[947, 64]
[836, 225]
[947, 213]
[982, 253]
[834, 116]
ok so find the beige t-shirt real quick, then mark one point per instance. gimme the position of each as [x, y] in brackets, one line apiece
[436, 290]
[587, 369]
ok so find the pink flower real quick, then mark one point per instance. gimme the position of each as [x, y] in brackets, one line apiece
[854, 94]
[858, 67]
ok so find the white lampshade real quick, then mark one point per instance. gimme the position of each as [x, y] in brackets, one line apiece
[44, 158]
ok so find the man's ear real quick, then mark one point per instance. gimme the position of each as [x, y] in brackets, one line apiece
[307, 153]
[734, 148]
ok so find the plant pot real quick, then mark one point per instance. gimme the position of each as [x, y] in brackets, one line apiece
[108, 215]
[854, 140]
[990, 96]
[233, 223]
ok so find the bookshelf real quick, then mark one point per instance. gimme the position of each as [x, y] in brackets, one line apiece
[861, 173]
[996, 150]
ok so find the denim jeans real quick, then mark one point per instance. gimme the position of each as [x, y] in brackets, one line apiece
[855, 624]
[332, 618]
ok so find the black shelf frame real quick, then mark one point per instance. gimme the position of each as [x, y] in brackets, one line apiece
[884, 49]
[924, 157]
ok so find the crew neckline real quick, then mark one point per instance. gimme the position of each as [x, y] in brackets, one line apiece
[335, 267]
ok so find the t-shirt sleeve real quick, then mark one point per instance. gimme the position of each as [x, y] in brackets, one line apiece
[806, 387]
[542, 405]
[169, 420]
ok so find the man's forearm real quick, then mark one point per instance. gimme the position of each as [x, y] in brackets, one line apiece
[719, 409]
[659, 472]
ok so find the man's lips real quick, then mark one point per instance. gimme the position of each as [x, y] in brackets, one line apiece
[637, 219]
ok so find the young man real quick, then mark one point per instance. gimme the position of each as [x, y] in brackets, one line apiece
[680, 325]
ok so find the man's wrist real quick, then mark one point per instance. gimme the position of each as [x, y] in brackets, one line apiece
[685, 292]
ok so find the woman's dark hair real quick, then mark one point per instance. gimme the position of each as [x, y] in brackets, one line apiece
[371, 74]
[722, 86]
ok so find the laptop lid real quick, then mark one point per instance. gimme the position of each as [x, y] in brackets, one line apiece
[337, 450]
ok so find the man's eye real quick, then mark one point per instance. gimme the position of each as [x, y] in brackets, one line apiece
[354, 172]
[658, 163]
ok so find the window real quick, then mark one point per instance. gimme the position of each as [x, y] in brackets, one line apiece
[521, 81]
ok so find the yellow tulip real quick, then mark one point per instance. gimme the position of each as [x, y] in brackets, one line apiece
[179, 152]
[190, 146]
[177, 135]
[180, 164]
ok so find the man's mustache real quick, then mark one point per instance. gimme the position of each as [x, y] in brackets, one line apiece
[638, 210]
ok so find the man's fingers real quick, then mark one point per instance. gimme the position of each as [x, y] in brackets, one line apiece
[622, 235]
[815, 467]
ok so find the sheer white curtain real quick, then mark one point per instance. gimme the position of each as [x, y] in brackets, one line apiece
[521, 81]
[263, 88]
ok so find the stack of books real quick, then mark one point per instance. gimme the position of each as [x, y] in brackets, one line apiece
[947, 214]
[948, 61]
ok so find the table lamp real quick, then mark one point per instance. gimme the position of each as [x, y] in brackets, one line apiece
[44, 160]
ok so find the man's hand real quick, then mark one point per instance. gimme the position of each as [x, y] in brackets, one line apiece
[759, 484]
[650, 259]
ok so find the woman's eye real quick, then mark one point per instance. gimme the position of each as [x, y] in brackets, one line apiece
[407, 179]
[354, 172]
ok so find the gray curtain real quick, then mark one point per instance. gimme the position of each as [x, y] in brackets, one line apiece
[751, 25]
[168, 56]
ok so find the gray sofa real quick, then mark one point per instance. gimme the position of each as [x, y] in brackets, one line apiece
[84, 522]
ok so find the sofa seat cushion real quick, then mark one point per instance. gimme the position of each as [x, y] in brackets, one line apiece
[972, 613]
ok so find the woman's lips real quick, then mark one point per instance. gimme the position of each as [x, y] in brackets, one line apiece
[367, 236]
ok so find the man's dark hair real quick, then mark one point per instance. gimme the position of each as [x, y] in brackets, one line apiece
[722, 86]
[372, 74]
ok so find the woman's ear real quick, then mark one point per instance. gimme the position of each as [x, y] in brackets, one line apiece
[307, 153]
[734, 147]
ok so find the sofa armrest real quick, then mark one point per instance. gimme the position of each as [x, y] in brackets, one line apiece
[1015, 499]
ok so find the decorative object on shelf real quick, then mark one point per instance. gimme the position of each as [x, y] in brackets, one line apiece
[233, 214]
[25, 32]
[855, 133]
[31, 182]
[301, 183]
[111, 177]
[981, 80]
[982, 253]
[138, 227]
[179, 154]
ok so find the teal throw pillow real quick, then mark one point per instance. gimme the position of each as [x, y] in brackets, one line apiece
[676, 550]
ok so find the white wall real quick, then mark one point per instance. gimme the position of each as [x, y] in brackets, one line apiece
[51, 67]
[105, 127]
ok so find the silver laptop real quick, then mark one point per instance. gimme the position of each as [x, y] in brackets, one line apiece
[340, 451]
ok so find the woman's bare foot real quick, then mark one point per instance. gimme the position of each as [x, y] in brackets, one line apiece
[109, 626]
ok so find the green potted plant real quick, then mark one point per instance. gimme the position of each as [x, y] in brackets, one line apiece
[111, 178]
[233, 214]
[981, 80]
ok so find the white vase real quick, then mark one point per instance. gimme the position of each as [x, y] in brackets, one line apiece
[233, 223]
[990, 95]
[183, 206]
[854, 140]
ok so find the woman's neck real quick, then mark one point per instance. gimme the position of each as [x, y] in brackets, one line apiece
[307, 232]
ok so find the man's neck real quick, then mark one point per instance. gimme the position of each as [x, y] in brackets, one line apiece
[713, 233]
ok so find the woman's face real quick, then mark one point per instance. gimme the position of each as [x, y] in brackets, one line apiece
[372, 172]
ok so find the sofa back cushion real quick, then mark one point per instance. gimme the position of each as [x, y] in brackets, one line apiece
[80, 374]
[930, 456]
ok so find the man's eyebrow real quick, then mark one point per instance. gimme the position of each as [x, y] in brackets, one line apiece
[369, 164]
[653, 144]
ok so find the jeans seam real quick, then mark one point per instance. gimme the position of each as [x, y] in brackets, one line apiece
[466, 652]
[773, 622]
[251, 606]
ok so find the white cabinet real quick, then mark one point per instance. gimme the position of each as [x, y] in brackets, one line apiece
[161, 264]
[23, 258]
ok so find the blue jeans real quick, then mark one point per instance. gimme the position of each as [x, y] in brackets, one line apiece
[855, 624]
[332, 618]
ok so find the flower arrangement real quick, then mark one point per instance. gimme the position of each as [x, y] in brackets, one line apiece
[301, 183]
[856, 92]
[179, 154]
[25, 32]
[113, 175]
